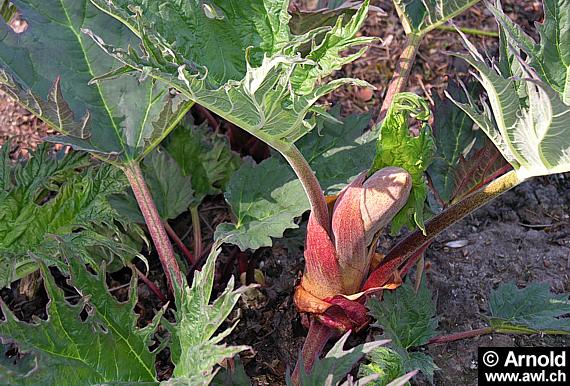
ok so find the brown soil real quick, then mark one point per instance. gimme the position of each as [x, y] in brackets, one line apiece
[523, 236]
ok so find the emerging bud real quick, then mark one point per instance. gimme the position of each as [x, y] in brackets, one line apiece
[363, 208]
[384, 194]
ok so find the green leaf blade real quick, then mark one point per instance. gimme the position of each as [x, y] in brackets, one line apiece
[195, 349]
[530, 127]
[533, 309]
[407, 317]
[48, 203]
[262, 210]
[76, 352]
[421, 16]
[119, 117]
[550, 57]
[277, 87]
[204, 156]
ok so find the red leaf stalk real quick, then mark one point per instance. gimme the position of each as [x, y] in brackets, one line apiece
[185, 251]
[315, 342]
[154, 224]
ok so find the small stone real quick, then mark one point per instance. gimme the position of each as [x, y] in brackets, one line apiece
[364, 94]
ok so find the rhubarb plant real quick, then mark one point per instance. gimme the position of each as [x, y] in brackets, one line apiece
[135, 69]
[104, 346]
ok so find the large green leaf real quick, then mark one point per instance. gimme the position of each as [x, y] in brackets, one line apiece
[337, 153]
[421, 16]
[265, 200]
[238, 59]
[45, 202]
[396, 146]
[530, 128]
[532, 309]
[104, 346]
[195, 350]
[47, 69]
[551, 56]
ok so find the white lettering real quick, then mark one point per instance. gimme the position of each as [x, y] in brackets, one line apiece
[543, 360]
[560, 360]
[511, 359]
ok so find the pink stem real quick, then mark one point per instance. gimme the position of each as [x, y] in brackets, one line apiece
[154, 224]
[319, 208]
[401, 75]
[189, 256]
[151, 286]
[461, 335]
[315, 342]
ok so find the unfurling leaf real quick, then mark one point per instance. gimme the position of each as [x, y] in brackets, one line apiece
[421, 16]
[525, 118]
[195, 350]
[531, 310]
[362, 209]
[123, 118]
[396, 146]
[256, 80]
[46, 203]
[103, 347]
